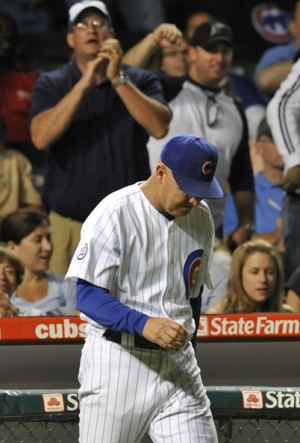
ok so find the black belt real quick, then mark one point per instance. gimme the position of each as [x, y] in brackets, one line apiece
[139, 342]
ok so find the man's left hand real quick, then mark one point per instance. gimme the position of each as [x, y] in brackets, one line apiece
[112, 52]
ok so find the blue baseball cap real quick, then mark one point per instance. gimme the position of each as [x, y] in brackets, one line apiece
[193, 161]
[81, 6]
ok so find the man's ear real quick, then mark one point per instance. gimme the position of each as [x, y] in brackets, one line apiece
[192, 53]
[160, 171]
[293, 27]
[70, 39]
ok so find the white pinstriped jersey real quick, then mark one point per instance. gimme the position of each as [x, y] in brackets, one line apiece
[283, 115]
[147, 262]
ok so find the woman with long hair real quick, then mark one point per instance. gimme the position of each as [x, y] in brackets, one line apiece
[255, 281]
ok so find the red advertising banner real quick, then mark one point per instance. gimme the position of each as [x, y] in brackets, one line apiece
[41, 329]
[243, 326]
[214, 327]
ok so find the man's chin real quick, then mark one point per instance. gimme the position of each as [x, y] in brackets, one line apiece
[181, 212]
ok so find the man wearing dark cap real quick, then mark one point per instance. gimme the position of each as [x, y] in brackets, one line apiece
[200, 106]
[143, 257]
[94, 116]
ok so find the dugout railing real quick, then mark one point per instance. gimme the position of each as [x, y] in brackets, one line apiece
[249, 364]
[241, 413]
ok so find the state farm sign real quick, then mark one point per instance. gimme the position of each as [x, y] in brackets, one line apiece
[233, 326]
[287, 398]
[249, 325]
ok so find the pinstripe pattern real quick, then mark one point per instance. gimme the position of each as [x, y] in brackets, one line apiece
[139, 255]
[126, 392]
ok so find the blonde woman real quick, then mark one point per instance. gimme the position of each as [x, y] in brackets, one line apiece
[255, 281]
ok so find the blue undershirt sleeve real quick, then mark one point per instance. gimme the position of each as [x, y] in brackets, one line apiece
[100, 306]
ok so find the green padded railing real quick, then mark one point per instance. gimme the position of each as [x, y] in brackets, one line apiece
[241, 413]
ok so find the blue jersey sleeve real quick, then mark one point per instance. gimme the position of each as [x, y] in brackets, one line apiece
[100, 306]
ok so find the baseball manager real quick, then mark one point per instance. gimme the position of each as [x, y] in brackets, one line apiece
[143, 257]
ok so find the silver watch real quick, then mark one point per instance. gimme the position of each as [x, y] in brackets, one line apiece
[124, 78]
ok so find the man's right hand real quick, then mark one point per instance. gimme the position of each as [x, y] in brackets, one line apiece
[166, 333]
[95, 71]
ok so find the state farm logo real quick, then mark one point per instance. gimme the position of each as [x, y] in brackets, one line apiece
[281, 399]
[203, 327]
[53, 402]
[252, 399]
[259, 325]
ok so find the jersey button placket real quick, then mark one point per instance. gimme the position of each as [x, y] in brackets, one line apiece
[170, 234]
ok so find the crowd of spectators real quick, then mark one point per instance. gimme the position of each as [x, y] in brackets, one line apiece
[69, 136]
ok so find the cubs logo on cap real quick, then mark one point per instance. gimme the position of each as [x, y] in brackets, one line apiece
[193, 161]
[207, 168]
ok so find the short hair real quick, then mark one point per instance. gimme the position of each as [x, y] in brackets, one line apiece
[8, 255]
[19, 224]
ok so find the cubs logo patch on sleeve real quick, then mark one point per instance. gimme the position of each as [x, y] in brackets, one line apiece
[190, 269]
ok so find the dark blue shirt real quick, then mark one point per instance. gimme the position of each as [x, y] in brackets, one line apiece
[104, 148]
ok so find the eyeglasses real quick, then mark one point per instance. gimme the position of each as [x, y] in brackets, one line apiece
[95, 23]
[211, 110]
